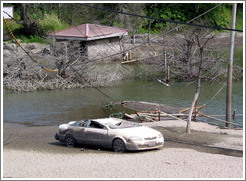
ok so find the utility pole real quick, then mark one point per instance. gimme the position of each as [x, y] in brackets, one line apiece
[230, 67]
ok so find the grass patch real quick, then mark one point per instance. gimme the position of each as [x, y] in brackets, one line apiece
[32, 39]
[238, 56]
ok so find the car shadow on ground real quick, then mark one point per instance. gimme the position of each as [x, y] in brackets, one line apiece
[93, 148]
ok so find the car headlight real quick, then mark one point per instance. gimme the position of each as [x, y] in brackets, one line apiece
[134, 138]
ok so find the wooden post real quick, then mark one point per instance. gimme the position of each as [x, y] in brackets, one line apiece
[66, 50]
[159, 115]
[50, 8]
[195, 111]
[167, 79]
[165, 61]
[166, 66]
[134, 39]
[130, 54]
[59, 11]
[230, 65]
[234, 114]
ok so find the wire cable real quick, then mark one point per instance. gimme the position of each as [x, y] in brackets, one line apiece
[91, 84]
[164, 20]
[17, 42]
[159, 35]
[213, 96]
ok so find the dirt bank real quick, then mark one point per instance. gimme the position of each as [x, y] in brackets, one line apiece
[21, 73]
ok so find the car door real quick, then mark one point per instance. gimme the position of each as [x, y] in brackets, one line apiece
[97, 134]
[79, 134]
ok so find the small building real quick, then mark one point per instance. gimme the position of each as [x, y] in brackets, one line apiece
[89, 40]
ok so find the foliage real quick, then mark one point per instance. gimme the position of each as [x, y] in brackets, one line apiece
[15, 27]
[57, 16]
[239, 20]
[221, 16]
[51, 23]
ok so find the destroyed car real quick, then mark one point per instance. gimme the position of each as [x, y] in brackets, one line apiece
[117, 134]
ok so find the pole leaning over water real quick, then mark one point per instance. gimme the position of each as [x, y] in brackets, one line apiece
[230, 67]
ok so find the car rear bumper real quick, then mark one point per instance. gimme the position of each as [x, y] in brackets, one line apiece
[59, 137]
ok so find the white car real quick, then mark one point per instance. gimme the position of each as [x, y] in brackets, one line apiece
[118, 134]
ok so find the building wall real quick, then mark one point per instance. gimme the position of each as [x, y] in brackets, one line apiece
[99, 49]
[92, 50]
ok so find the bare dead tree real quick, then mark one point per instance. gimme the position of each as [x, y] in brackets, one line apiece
[201, 46]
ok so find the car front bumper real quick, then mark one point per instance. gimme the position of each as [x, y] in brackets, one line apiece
[146, 145]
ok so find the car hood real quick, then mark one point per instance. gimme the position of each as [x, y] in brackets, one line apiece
[66, 126]
[141, 131]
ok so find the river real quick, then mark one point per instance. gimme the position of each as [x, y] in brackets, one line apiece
[44, 108]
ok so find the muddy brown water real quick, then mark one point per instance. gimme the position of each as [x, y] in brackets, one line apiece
[41, 139]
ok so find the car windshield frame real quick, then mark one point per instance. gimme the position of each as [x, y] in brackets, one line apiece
[112, 125]
[77, 122]
[123, 124]
[87, 123]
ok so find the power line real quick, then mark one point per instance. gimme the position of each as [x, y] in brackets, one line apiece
[213, 96]
[91, 84]
[224, 84]
[164, 20]
[51, 69]
[11, 33]
[134, 48]
[157, 36]
[71, 66]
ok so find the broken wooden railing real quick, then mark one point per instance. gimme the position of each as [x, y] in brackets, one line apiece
[144, 112]
[217, 119]
[157, 115]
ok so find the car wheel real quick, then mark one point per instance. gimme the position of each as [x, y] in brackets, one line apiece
[70, 141]
[119, 146]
